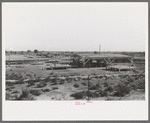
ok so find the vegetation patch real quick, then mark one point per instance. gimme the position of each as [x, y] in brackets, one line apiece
[76, 85]
[35, 92]
[25, 95]
[121, 90]
[14, 92]
[54, 88]
[41, 84]
[46, 90]
[83, 83]
[78, 95]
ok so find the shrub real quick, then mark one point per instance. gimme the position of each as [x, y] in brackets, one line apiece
[54, 88]
[30, 84]
[8, 96]
[76, 85]
[103, 93]
[47, 79]
[51, 73]
[19, 82]
[78, 95]
[25, 95]
[97, 94]
[55, 78]
[83, 83]
[45, 90]
[93, 94]
[93, 87]
[136, 77]
[35, 92]
[89, 94]
[12, 87]
[54, 83]
[141, 84]
[132, 86]
[15, 92]
[127, 82]
[61, 82]
[8, 89]
[68, 79]
[109, 88]
[105, 84]
[109, 98]
[41, 84]
[130, 79]
[121, 90]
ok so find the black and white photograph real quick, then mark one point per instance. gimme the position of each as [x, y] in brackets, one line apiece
[80, 52]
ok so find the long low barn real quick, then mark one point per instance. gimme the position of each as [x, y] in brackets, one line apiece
[101, 60]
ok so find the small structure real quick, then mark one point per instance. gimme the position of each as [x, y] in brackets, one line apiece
[52, 61]
[66, 60]
[101, 60]
[121, 67]
[57, 66]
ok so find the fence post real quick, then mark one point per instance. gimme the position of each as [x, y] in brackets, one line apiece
[88, 87]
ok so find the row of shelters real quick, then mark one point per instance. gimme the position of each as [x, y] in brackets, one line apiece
[101, 60]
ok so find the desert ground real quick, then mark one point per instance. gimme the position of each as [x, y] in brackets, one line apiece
[35, 82]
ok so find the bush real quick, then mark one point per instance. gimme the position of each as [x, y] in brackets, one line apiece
[68, 79]
[61, 82]
[45, 90]
[54, 88]
[83, 83]
[78, 95]
[47, 79]
[127, 82]
[103, 93]
[94, 87]
[25, 95]
[90, 94]
[141, 84]
[8, 89]
[106, 84]
[54, 83]
[55, 78]
[32, 83]
[97, 94]
[41, 84]
[76, 85]
[130, 79]
[35, 92]
[132, 86]
[8, 96]
[19, 82]
[14, 92]
[109, 88]
[121, 90]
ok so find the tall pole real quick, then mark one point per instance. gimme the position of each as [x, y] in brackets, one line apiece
[88, 88]
[99, 48]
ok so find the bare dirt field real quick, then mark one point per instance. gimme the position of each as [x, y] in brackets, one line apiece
[34, 82]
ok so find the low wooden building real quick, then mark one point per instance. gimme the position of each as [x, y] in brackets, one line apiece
[101, 60]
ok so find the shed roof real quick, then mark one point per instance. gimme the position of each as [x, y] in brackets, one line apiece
[101, 56]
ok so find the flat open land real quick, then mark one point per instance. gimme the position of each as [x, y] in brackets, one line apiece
[34, 82]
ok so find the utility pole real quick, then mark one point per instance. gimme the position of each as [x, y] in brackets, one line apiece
[88, 87]
[99, 48]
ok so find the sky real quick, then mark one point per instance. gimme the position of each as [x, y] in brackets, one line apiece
[74, 26]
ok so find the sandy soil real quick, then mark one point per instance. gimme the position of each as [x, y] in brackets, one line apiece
[63, 88]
